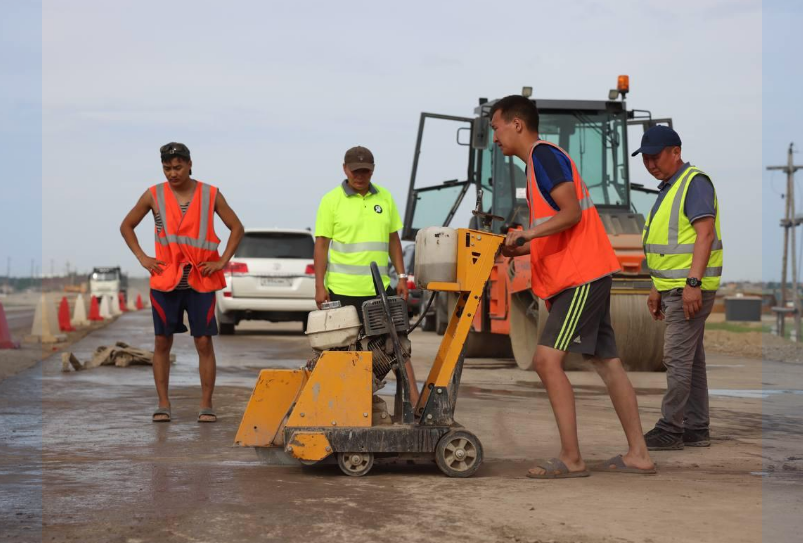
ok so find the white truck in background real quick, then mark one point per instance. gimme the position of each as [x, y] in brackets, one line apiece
[108, 282]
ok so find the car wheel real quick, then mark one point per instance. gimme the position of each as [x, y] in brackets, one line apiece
[428, 324]
[444, 305]
[304, 322]
[226, 328]
[440, 326]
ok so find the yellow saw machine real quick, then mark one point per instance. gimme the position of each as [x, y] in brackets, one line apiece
[329, 408]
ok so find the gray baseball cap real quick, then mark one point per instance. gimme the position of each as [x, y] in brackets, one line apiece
[359, 158]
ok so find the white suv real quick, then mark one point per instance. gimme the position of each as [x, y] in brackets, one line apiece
[270, 277]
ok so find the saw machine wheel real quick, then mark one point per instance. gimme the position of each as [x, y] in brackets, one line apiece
[355, 464]
[459, 454]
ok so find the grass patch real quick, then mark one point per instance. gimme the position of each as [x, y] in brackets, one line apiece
[736, 328]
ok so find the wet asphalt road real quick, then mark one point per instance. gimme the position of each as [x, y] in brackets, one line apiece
[80, 460]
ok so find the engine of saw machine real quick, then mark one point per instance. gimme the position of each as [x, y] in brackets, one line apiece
[336, 328]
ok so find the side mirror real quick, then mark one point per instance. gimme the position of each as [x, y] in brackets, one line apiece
[480, 131]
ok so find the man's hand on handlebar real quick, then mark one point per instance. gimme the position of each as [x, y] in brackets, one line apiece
[517, 238]
[516, 243]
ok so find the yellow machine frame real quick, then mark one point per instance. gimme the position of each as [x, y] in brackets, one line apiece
[311, 415]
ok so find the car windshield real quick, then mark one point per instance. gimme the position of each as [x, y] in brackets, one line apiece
[276, 245]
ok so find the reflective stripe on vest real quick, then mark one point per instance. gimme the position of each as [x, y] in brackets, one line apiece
[684, 273]
[669, 259]
[678, 249]
[186, 240]
[359, 247]
[353, 269]
[575, 256]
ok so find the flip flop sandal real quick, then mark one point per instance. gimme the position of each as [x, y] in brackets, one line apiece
[555, 469]
[207, 412]
[617, 465]
[161, 412]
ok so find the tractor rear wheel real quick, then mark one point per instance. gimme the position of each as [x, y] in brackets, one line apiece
[524, 329]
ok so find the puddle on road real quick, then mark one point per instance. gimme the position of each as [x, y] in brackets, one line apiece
[181, 374]
[757, 394]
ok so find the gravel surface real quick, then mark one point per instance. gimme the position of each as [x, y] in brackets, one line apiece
[775, 348]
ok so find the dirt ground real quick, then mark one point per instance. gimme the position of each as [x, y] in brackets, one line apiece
[81, 461]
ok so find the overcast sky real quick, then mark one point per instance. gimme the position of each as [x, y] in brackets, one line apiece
[268, 96]
[782, 124]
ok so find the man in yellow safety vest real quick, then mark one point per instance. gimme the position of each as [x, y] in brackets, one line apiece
[358, 223]
[683, 246]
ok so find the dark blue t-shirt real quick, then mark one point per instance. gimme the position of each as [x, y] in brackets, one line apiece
[552, 168]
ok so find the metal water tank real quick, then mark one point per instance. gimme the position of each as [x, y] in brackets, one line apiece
[435, 255]
[743, 308]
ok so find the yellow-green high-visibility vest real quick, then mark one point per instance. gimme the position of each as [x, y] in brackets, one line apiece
[669, 238]
[359, 227]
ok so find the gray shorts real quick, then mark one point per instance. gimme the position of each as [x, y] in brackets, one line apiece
[579, 321]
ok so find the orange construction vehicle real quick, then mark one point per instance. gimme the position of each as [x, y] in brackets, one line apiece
[595, 134]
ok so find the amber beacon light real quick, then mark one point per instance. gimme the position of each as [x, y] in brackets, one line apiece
[623, 84]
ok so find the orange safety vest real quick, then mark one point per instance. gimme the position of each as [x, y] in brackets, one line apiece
[186, 239]
[571, 258]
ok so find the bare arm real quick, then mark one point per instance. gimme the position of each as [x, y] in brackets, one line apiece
[320, 259]
[232, 222]
[568, 215]
[654, 304]
[130, 222]
[395, 250]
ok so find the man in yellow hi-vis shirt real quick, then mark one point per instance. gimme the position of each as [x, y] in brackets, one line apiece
[357, 223]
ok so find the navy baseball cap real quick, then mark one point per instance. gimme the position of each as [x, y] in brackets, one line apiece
[656, 138]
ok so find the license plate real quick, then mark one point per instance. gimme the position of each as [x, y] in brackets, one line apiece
[275, 281]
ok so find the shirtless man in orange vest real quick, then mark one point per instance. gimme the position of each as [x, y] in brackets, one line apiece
[572, 261]
[187, 269]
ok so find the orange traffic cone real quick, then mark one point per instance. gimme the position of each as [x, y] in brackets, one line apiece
[121, 302]
[94, 310]
[5, 334]
[140, 305]
[64, 316]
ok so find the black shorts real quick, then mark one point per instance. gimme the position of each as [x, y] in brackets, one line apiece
[169, 307]
[580, 321]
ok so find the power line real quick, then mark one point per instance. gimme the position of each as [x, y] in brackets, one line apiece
[772, 186]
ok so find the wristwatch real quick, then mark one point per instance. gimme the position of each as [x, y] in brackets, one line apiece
[694, 282]
[403, 276]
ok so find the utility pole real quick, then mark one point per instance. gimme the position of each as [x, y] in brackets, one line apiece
[789, 224]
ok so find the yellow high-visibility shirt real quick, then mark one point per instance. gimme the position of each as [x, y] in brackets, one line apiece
[359, 227]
